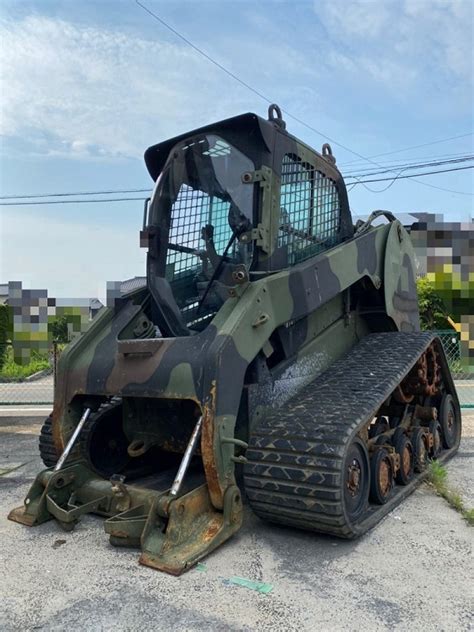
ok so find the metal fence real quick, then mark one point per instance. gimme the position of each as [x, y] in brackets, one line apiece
[36, 389]
[463, 376]
[39, 389]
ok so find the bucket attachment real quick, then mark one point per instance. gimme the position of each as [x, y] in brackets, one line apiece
[59, 494]
[174, 532]
[194, 529]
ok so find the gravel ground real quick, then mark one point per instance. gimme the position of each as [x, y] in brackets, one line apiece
[412, 572]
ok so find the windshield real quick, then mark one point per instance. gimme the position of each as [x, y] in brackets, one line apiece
[200, 207]
[200, 202]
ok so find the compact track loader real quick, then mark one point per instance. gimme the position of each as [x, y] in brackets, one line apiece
[275, 344]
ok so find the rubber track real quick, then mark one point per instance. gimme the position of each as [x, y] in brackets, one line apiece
[89, 426]
[47, 450]
[296, 454]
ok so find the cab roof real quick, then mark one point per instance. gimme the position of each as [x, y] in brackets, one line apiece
[247, 126]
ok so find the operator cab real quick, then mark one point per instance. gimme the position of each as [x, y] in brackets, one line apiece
[213, 216]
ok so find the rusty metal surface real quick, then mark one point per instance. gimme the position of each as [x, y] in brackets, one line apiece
[194, 528]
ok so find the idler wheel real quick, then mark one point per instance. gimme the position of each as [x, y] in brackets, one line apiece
[381, 477]
[450, 422]
[356, 479]
[404, 448]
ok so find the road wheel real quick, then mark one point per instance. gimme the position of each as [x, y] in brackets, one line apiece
[404, 448]
[399, 432]
[435, 431]
[381, 477]
[420, 447]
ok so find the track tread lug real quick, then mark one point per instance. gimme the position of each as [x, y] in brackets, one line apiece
[296, 453]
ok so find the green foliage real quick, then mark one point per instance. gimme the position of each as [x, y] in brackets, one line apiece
[59, 330]
[456, 291]
[437, 474]
[5, 327]
[17, 372]
[433, 313]
[438, 477]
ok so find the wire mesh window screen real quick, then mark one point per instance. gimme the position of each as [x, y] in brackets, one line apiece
[191, 211]
[310, 214]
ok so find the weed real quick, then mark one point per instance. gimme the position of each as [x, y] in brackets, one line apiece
[437, 474]
[438, 477]
[468, 515]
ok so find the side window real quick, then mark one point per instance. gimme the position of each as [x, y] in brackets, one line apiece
[309, 210]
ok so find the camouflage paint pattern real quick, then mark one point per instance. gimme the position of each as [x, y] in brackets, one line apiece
[276, 332]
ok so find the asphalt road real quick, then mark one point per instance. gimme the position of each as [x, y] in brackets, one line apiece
[413, 571]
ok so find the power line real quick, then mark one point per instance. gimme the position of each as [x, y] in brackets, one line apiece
[264, 97]
[397, 151]
[89, 201]
[348, 175]
[245, 84]
[414, 165]
[396, 161]
[70, 194]
[361, 164]
[139, 199]
[428, 173]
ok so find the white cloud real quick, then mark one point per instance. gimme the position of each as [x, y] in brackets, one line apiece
[411, 45]
[98, 92]
[355, 19]
[84, 91]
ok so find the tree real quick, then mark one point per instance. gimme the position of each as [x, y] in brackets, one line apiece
[59, 330]
[433, 314]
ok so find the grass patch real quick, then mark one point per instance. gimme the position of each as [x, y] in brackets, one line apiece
[438, 478]
[17, 372]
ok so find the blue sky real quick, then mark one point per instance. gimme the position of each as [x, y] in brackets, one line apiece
[87, 86]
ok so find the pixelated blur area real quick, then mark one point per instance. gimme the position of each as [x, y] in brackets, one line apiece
[33, 313]
[445, 257]
[113, 292]
[467, 340]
